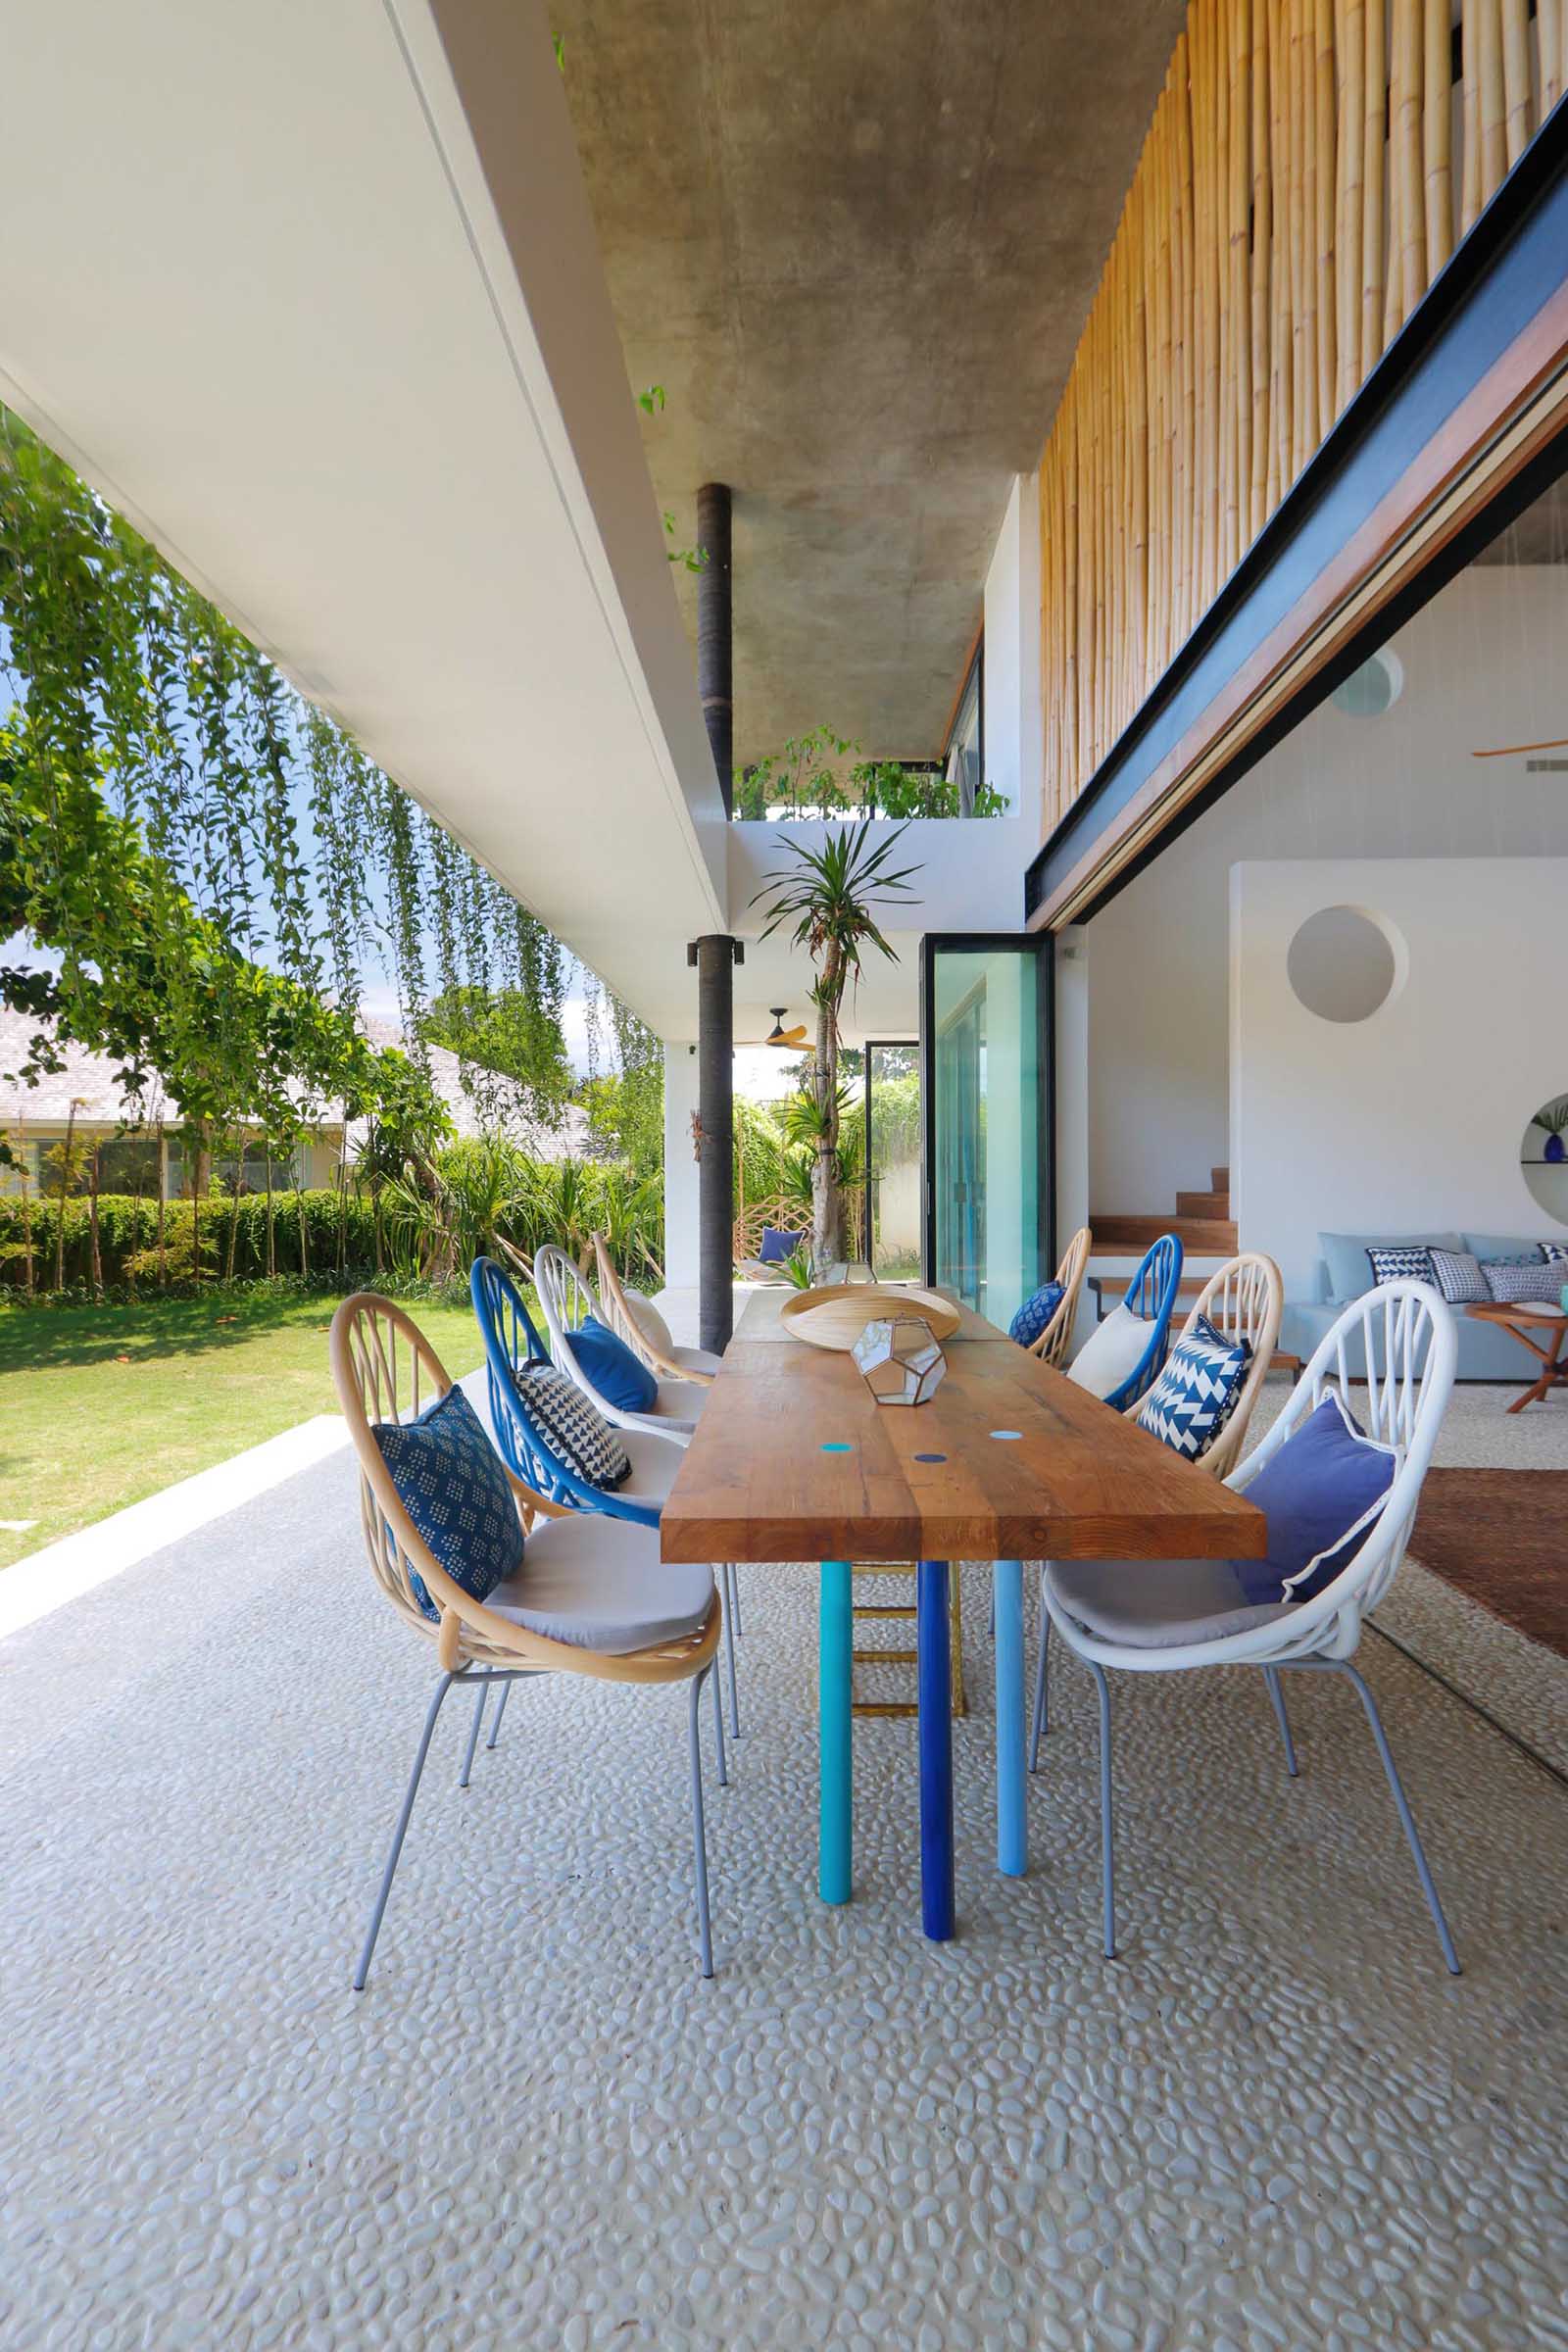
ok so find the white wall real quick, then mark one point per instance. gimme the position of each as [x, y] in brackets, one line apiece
[1014, 732]
[1413, 1119]
[1484, 664]
[681, 1266]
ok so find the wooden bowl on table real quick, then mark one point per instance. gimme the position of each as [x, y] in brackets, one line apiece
[835, 1315]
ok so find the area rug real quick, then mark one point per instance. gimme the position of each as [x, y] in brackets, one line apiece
[1501, 1538]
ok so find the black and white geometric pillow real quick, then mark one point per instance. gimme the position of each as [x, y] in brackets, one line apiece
[1557, 1252]
[1513, 1280]
[1196, 1394]
[1400, 1265]
[571, 1426]
[1459, 1277]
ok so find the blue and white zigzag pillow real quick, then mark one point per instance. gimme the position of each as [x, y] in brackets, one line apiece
[1196, 1394]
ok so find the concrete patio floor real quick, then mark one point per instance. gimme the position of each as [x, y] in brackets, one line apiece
[1274, 2122]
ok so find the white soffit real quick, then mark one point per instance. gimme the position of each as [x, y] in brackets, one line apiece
[310, 293]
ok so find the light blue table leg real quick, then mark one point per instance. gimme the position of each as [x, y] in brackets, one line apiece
[1013, 1825]
[835, 1645]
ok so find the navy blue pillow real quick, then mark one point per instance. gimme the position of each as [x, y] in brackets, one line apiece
[778, 1246]
[616, 1373]
[449, 1481]
[1035, 1313]
[1321, 1494]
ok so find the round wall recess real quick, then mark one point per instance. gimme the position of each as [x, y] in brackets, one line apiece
[1544, 1162]
[1345, 963]
[1373, 689]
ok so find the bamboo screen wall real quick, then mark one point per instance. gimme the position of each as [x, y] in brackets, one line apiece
[1308, 170]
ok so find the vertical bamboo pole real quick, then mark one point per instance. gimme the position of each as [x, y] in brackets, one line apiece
[1516, 77]
[1303, 370]
[1470, 107]
[1279, 464]
[1186, 488]
[1374, 234]
[1394, 313]
[1352, 182]
[1325, 143]
[1550, 28]
[1405, 129]
[1494, 123]
[1262, 243]
[1437, 122]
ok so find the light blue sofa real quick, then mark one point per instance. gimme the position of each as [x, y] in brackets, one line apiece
[1342, 1273]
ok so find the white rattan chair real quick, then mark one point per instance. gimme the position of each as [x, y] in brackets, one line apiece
[566, 1300]
[1149, 1617]
[386, 1370]
[1056, 1341]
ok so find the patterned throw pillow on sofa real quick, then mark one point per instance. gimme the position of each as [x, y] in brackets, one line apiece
[1196, 1394]
[1459, 1277]
[449, 1481]
[1513, 1280]
[1400, 1265]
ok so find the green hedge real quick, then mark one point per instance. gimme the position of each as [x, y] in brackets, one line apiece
[127, 1229]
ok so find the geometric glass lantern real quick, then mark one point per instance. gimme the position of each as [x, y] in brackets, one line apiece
[899, 1361]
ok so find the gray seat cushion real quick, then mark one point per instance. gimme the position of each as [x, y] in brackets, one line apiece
[1158, 1604]
[599, 1583]
[655, 1461]
[677, 1405]
[696, 1359]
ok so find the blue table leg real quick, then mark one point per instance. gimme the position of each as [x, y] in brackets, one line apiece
[1012, 1831]
[835, 1645]
[932, 1639]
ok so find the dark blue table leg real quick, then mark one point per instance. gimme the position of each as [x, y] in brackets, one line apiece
[932, 1639]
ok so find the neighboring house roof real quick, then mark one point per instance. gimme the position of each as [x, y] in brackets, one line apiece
[90, 1082]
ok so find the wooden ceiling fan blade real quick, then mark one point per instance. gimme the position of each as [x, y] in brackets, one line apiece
[1517, 751]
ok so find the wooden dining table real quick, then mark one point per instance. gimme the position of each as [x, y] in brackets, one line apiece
[794, 1461]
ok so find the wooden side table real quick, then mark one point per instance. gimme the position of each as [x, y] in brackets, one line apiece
[1551, 1347]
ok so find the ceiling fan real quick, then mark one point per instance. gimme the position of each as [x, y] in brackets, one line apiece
[788, 1041]
[1517, 751]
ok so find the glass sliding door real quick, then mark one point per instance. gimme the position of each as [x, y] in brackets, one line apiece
[893, 1162]
[985, 1064]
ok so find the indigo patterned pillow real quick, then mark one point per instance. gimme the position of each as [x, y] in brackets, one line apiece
[449, 1481]
[1511, 1281]
[570, 1425]
[1035, 1313]
[1459, 1277]
[1196, 1394]
[1400, 1265]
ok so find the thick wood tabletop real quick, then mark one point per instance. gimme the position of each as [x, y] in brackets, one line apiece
[1077, 1482]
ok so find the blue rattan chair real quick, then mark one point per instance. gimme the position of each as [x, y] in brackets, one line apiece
[511, 1340]
[1151, 1295]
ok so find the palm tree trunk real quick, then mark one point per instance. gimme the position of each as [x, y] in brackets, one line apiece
[827, 1207]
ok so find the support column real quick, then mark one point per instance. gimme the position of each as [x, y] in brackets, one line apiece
[715, 666]
[715, 958]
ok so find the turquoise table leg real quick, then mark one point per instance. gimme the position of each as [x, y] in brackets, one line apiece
[1012, 1827]
[836, 1641]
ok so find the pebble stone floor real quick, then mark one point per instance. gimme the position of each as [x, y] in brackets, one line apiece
[1274, 2123]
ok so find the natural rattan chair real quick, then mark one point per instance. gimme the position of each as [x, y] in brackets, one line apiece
[1244, 1299]
[1056, 1341]
[386, 1370]
[638, 1322]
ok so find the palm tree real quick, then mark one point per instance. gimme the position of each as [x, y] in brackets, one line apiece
[828, 895]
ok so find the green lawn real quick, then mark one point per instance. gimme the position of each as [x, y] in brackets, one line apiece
[100, 1406]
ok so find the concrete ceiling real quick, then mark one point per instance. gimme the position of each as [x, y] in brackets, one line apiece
[856, 244]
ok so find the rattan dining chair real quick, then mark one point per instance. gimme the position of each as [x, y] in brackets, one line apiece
[1055, 1341]
[566, 1300]
[511, 1343]
[1169, 1617]
[636, 1320]
[386, 1370]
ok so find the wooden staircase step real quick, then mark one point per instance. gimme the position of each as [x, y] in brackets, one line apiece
[1213, 1236]
[1220, 1179]
[1203, 1204]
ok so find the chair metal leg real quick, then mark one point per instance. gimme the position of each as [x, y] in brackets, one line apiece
[705, 1935]
[1041, 1723]
[474, 1734]
[501, 1708]
[1401, 1802]
[1107, 1877]
[400, 1833]
[1271, 1676]
[731, 1588]
[718, 1735]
